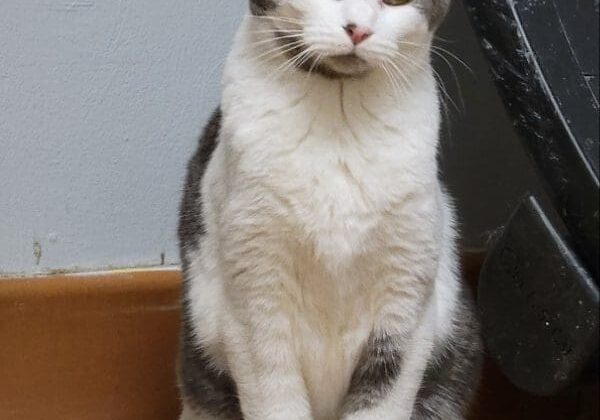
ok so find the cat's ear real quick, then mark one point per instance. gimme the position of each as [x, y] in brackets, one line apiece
[262, 7]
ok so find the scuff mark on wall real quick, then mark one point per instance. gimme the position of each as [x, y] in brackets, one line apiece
[71, 6]
[37, 252]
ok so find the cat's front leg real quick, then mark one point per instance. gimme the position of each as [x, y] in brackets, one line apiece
[388, 374]
[259, 338]
[266, 371]
[386, 381]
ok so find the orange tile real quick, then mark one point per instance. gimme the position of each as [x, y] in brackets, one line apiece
[103, 346]
[89, 347]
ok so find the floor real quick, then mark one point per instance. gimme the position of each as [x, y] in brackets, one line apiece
[102, 346]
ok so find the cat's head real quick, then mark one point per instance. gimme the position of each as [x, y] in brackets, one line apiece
[349, 38]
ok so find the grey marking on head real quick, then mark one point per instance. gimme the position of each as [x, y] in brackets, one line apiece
[435, 10]
[452, 375]
[262, 7]
[378, 368]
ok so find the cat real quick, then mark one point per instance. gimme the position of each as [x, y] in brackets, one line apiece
[318, 246]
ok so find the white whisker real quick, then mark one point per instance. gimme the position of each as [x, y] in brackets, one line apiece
[315, 63]
[278, 31]
[455, 77]
[397, 86]
[457, 58]
[445, 96]
[281, 49]
[388, 76]
[439, 50]
[296, 60]
[445, 93]
[273, 39]
[407, 85]
[279, 19]
[408, 60]
[441, 39]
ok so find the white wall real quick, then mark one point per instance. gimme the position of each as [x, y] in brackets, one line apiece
[101, 103]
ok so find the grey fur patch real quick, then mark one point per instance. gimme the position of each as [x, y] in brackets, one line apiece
[262, 7]
[450, 380]
[191, 225]
[204, 387]
[435, 10]
[452, 376]
[377, 369]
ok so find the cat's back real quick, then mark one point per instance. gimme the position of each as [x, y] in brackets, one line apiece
[191, 223]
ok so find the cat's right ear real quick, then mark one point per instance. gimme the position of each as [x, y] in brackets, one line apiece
[262, 7]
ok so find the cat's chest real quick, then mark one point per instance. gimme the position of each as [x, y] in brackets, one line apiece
[336, 169]
[336, 187]
[335, 203]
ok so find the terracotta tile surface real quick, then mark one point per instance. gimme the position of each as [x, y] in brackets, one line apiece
[91, 347]
[103, 346]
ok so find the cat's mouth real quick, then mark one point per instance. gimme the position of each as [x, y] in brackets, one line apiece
[348, 60]
[333, 66]
[348, 65]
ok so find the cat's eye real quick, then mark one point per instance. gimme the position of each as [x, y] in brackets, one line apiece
[396, 2]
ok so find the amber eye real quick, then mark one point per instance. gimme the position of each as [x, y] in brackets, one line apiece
[396, 2]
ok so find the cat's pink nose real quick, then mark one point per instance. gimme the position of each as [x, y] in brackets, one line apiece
[357, 33]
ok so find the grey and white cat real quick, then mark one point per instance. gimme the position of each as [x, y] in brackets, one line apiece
[318, 245]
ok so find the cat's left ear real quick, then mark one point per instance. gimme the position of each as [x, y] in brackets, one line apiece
[262, 7]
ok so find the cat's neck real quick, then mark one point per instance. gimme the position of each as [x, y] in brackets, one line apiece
[293, 105]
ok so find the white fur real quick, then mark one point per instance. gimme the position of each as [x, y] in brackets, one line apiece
[325, 221]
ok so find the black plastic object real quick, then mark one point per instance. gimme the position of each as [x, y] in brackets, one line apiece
[539, 304]
[544, 60]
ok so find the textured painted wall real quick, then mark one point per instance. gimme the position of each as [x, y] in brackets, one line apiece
[101, 103]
